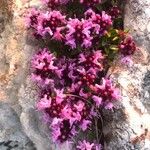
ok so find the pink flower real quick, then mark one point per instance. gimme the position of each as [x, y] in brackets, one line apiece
[84, 145]
[78, 32]
[55, 127]
[98, 100]
[84, 95]
[51, 23]
[44, 103]
[76, 116]
[127, 46]
[58, 35]
[71, 75]
[79, 106]
[85, 124]
[109, 105]
[59, 96]
[31, 19]
[89, 13]
[97, 58]
[66, 112]
[82, 58]
[107, 92]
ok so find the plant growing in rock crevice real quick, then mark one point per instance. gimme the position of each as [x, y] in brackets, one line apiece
[82, 39]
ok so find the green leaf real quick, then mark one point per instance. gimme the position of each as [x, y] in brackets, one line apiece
[114, 48]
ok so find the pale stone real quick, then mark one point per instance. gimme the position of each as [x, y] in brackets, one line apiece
[134, 83]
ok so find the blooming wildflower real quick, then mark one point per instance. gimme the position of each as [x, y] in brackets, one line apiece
[50, 23]
[31, 19]
[97, 100]
[78, 33]
[107, 93]
[103, 20]
[89, 13]
[89, 65]
[114, 12]
[71, 91]
[44, 103]
[127, 46]
[55, 127]
[43, 67]
[84, 145]
[85, 124]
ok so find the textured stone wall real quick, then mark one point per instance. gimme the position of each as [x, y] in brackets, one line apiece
[130, 123]
[20, 126]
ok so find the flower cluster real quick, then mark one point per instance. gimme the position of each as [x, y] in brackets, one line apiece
[85, 145]
[80, 71]
[127, 46]
[32, 18]
[74, 32]
[67, 114]
[71, 74]
[107, 94]
[44, 68]
[102, 22]
[47, 24]
[69, 85]
[78, 33]
[114, 12]
[84, 32]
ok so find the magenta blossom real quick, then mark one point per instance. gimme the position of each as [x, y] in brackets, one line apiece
[72, 81]
[50, 23]
[101, 21]
[85, 145]
[78, 33]
[43, 67]
[107, 94]
[31, 19]
[114, 12]
[127, 46]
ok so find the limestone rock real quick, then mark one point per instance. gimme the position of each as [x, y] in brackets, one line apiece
[130, 123]
[11, 133]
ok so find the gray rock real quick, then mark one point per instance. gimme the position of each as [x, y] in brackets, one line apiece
[132, 131]
[11, 133]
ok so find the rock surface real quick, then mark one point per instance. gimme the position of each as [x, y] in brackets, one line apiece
[130, 123]
[126, 128]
